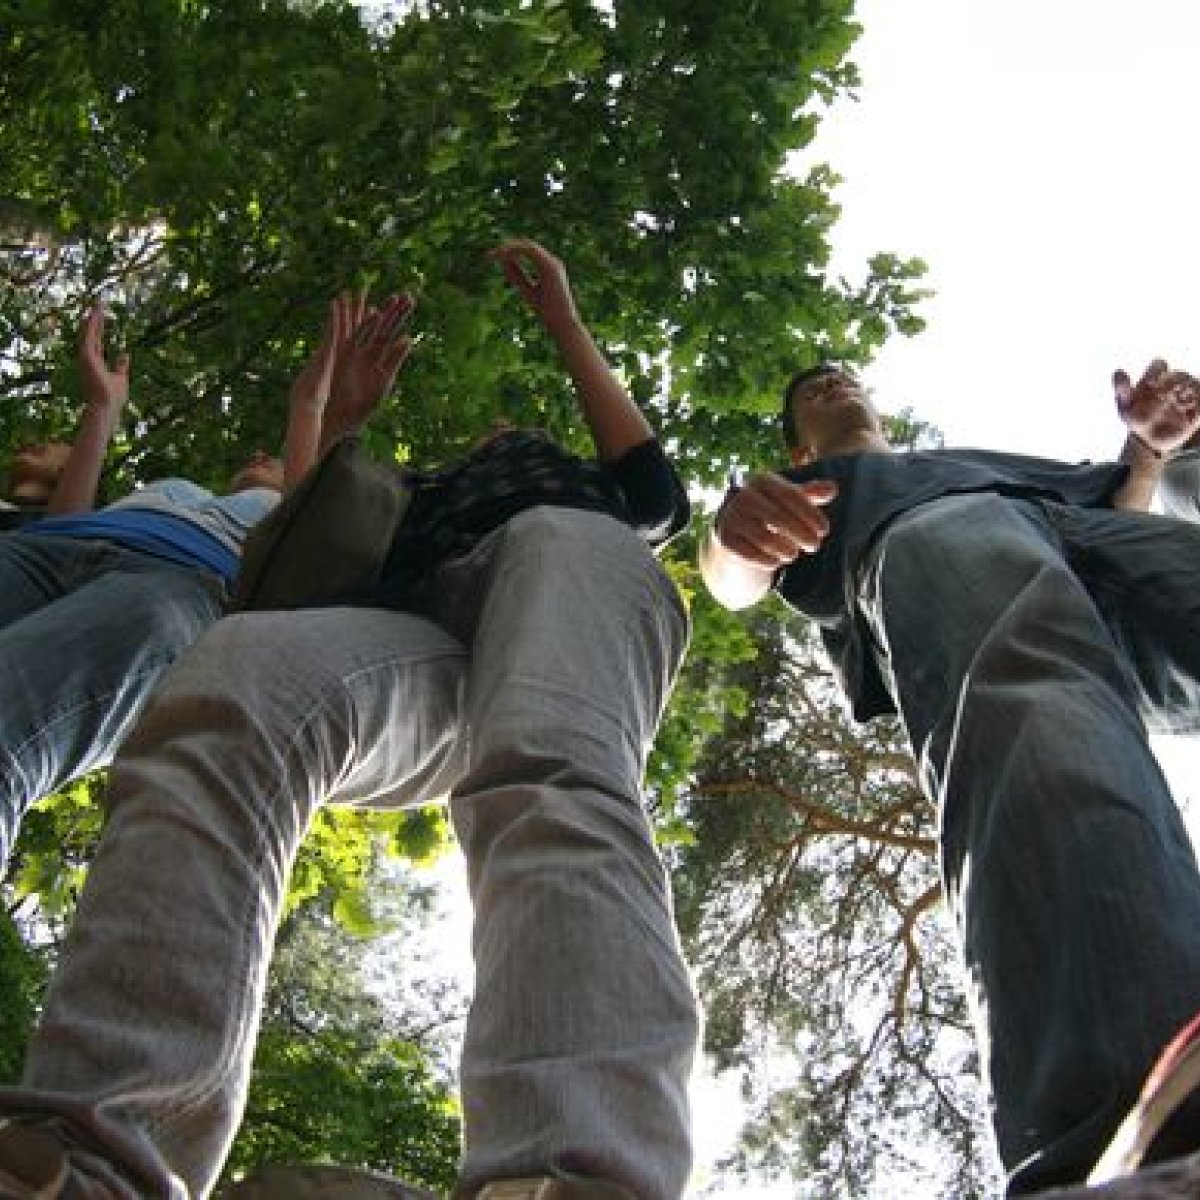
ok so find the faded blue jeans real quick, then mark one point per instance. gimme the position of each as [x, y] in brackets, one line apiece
[1030, 646]
[86, 630]
[534, 696]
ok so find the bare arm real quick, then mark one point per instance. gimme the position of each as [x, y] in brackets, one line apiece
[105, 390]
[615, 421]
[1162, 413]
[761, 527]
[1145, 472]
[310, 392]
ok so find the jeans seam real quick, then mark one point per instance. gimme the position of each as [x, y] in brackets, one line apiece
[64, 714]
[213, 1083]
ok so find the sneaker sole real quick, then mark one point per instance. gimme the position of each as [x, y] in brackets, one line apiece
[321, 1183]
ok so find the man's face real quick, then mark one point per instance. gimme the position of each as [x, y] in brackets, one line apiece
[34, 470]
[829, 407]
[260, 471]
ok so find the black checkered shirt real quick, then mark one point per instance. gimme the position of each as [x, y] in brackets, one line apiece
[455, 507]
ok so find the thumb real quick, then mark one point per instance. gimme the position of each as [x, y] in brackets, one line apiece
[516, 275]
[1123, 389]
[820, 491]
[397, 355]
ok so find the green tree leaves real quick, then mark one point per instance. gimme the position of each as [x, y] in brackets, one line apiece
[339, 1075]
[216, 171]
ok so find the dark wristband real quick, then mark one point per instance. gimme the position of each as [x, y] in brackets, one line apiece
[1145, 445]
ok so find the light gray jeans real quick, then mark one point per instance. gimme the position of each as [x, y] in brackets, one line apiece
[534, 695]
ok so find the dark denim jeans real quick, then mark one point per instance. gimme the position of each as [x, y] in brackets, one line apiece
[1030, 646]
[86, 630]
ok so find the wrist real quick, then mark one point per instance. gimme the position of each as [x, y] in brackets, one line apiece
[103, 408]
[339, 423]
[1145, 449]
[565, 325]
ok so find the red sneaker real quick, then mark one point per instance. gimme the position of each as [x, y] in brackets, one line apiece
[1119, 1174]
[1174, 1078]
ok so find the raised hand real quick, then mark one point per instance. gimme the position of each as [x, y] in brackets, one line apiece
[105, 389]
[1162, 410]
[615, 422]
[105, 386]
[540, 279]
[309, 393]
[368, 360]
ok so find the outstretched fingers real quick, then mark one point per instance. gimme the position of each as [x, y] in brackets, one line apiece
[378, 326]
[1123, 391]
[1162, 410]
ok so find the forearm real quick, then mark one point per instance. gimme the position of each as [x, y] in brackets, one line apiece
[76, 489]
[302, 442]
[615, 421]
[1145, 471]
[732, 580]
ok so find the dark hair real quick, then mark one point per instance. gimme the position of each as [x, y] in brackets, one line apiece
[791, 434]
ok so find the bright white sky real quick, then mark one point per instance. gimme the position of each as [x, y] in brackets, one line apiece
[1040, 156]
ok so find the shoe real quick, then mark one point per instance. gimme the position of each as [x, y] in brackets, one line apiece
[544, 1188]
[36, 1164]
[1178, 1179]
[33, 1163]
[319, 1182]
[344, 1183]
[1119, 1173]
[41, 1158]
[1173, 1080]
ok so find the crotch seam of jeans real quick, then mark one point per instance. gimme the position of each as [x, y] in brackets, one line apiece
[381, 664]
[625, 544]
[199, 577]
[647, 592]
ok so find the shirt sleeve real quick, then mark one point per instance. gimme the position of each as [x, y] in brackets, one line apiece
[802, 583]
[165, 494]
[654, 494]
[1179, 488]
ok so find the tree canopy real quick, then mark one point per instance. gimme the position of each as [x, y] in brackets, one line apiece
[808, 898]
[214, 171]
[344, 1073]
